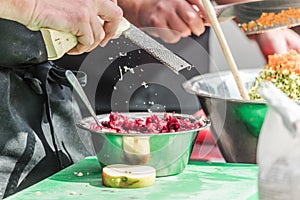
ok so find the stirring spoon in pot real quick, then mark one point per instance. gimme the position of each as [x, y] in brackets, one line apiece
[225, 48]
[78, 89]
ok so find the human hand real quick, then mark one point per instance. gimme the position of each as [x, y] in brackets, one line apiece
[78, 17]
[277, 41]
[169, 19]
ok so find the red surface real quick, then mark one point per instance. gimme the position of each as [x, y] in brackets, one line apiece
[206, 148]
[205, 136]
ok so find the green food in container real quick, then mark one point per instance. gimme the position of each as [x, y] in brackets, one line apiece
[284, 72]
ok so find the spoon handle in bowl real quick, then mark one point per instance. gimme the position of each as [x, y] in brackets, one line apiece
[78, 89]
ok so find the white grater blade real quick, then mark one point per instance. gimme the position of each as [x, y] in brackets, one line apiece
[156, 49]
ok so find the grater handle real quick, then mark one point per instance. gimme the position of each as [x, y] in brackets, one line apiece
[59, 43]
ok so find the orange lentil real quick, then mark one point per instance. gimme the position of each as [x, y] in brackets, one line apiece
[268, 78]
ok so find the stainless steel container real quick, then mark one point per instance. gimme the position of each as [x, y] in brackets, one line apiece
[236, 123]
[168, 153]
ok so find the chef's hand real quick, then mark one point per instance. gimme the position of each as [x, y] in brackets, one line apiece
[79, 17]
[169, 19]
[277, 41]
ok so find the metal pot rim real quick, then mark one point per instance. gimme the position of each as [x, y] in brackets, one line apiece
[85, 124]
[188, 85]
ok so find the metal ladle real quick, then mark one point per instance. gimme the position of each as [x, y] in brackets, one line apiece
[78, 89]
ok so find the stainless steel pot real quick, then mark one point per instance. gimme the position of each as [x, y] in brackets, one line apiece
[236, 123]
[168, 153]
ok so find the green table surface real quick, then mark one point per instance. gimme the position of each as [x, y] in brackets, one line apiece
[200, 180]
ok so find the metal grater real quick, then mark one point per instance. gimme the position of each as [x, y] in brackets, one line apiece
[156, 49]
[58, 43]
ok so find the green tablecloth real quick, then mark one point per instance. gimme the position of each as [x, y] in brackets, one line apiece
[200, 180]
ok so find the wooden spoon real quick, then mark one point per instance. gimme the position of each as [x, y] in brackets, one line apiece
[225, 48]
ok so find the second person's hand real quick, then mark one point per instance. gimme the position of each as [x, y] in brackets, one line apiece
[277, 41]
[169, 19]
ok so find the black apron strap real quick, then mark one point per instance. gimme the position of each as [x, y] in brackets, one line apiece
[48, 72]
[57, 75]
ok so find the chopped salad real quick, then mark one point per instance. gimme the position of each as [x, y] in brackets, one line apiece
[283, 71]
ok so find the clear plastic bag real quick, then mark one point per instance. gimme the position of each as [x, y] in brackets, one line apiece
[278, 151]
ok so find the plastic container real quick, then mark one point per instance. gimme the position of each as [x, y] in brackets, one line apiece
[278, 151]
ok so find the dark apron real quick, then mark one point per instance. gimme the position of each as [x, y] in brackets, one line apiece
[38, 114]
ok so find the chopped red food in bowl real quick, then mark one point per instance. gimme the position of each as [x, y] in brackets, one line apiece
[152, 124]
[161, 140]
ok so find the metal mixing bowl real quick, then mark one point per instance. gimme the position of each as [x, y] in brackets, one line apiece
[168, 153]
[236, 123]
